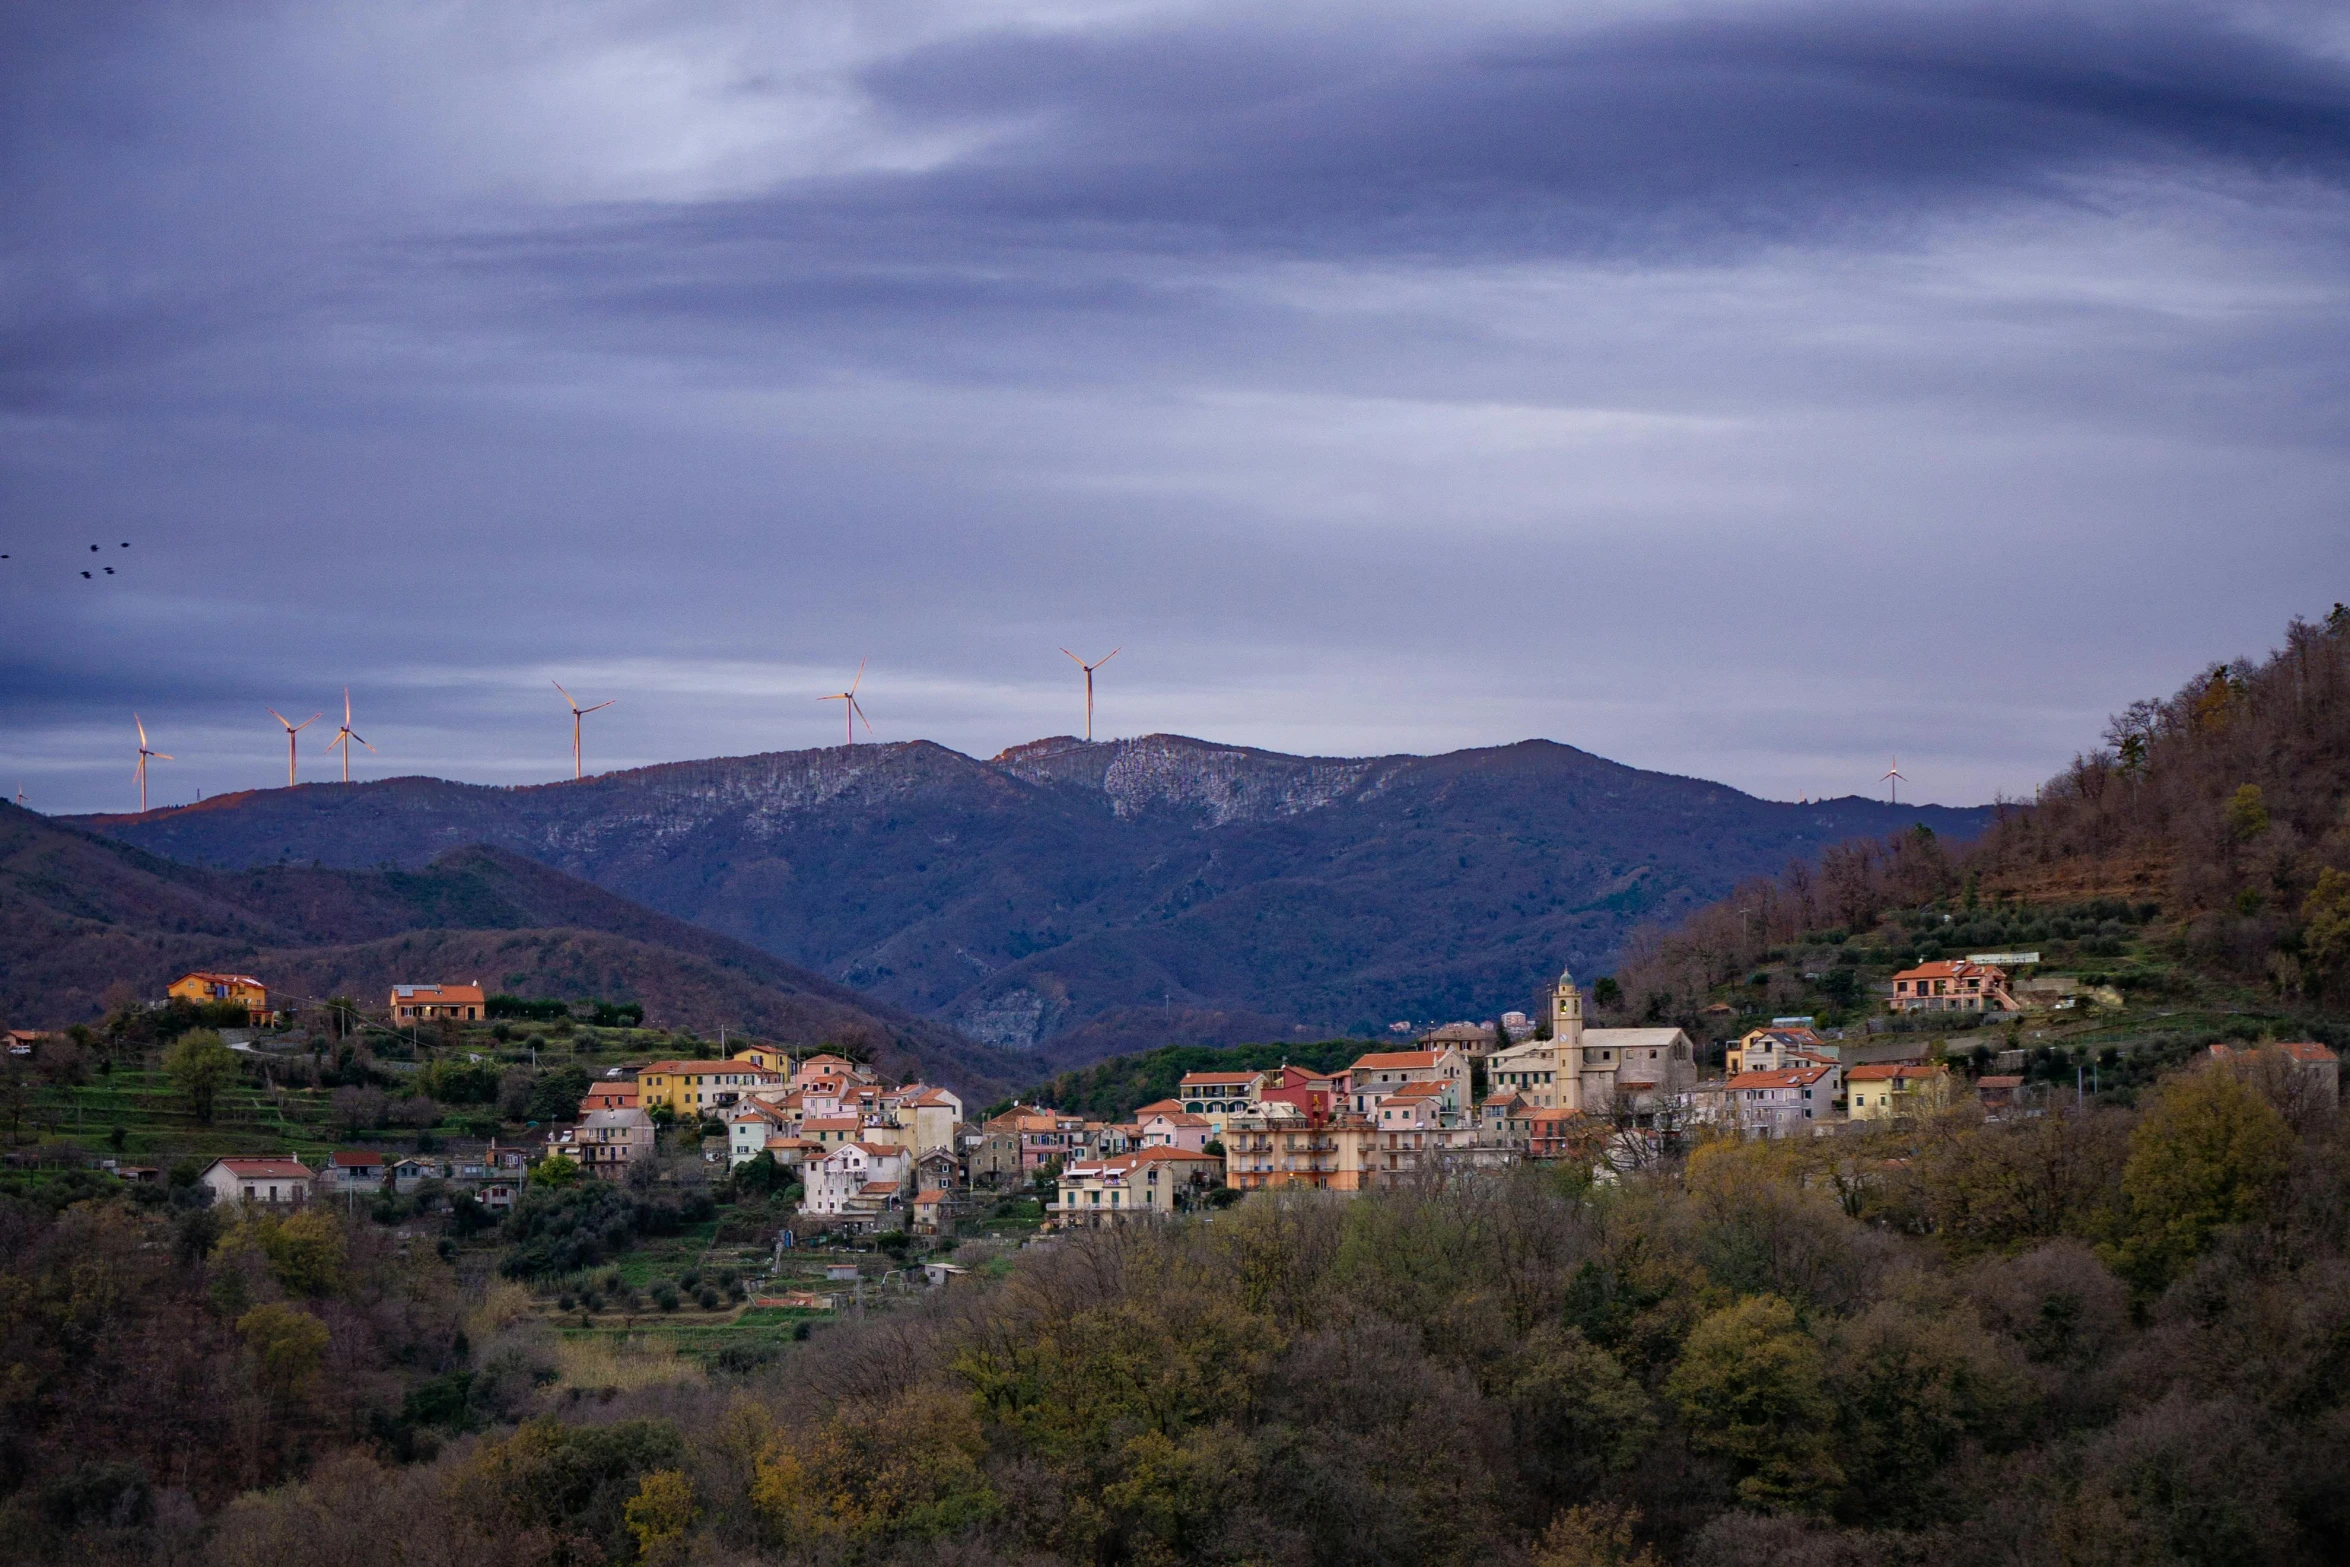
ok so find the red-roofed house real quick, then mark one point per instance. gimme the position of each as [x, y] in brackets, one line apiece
[1173, 1129]
[1952, 985]
[352, 1173]
[428, 1003]
[1373, 1077]
[260, 1180]
[609, 1096]
[208, 988]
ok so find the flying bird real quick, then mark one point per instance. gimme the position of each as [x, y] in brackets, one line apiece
[85, 574]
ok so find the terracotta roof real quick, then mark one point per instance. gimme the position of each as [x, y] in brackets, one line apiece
[886, 1150]
[2308, 1050]
[880, 1188]
[1989, 1081]
[1422, 1090]
[1397, 1060]
[709, 1068]
[354, 1161]
[212, 977]
[831, 1123]
[1161, 1107]
[1952, 968]
[436, 992]
[1890, 1072]
[265, 1168]
[1205, 1078]
[790, 1142]
[1786, 1077]
[1174, 1117]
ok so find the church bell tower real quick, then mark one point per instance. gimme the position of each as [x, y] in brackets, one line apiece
[1566, 1038]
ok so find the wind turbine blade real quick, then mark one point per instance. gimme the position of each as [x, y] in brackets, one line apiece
[860, 680]
[362, 739]
[599, 707]
[567, 696]
[307, 722]
[1074, 659]
[860, 712]
[163, 756]
[274, 713]
[1112, 653]
[142, 723]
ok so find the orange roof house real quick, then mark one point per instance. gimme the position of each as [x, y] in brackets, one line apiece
[206, 988]
[1952, 985]
[425, 1003]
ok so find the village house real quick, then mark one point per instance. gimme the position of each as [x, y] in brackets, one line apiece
[1176, 1128]
[1216, 1095]
[618, 1095]
[1768, 1049]
[351, 1174]
[436, 1003]
[206, 988]
[258, 1180]
[1278, 1144]
[1952, 985]
[1502, 1120]
[699, 1089]
[826, 1067]
[1373, 1077]
[1473, 1040]
[831, 1131]
[1788, 1102]
[1151, 1183]
[1553, 1134]
[749, 1125]
[607, 1142]
[859, 1187]
[1895, 1089]
[408, 1174]
[929, 1116]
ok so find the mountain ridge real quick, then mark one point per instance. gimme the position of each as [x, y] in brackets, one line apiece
[1025, 896]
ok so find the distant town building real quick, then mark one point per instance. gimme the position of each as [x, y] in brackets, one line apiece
[1894, 1089]
[1474, 1040]
[433, 1003]
[1150, 1183]
[607, 1142]
[699, 1088]
[1219, 1094]
[258, 1180]
[1788, 1102]
[1597, 1071]
[1952, 985]
[206, 988]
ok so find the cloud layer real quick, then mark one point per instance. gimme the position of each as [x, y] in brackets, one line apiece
[1746, 390]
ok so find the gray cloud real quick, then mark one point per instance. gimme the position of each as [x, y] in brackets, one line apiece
[1749, 393]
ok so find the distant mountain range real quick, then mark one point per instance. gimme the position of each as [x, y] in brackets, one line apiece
[80, 913]
[1086, 898]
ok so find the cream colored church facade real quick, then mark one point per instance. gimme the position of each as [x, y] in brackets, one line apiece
[1599, 1070]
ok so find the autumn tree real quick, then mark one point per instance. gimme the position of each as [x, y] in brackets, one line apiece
[2210, 1153]
[199, 1065]
[1751, 1386]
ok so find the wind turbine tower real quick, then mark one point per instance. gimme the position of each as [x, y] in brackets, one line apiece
[1089, 669]
[1893, 780]
[144, 753]
[577, 713]
[345, 735]
[291, 731]
[850, 711]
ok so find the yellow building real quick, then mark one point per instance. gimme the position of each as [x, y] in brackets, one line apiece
[1895, 1089]
[208, 989]
[697, 1088]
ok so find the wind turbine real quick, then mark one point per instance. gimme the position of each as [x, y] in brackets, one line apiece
[345, 735]
[577, 713]
[1089, 669]
[144, 753]
[291, 731]
[1893, 780]
[850, 711]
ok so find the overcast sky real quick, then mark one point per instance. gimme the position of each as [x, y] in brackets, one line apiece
[1745, 390]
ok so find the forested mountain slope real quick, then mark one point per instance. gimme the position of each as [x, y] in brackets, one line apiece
[2207, 838]
[1092, 897]
[80, 914]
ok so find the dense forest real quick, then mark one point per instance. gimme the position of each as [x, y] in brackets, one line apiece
[2224, 809]
[2113, 1336]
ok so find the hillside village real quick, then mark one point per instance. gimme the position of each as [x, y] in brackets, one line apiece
[855, 1156]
